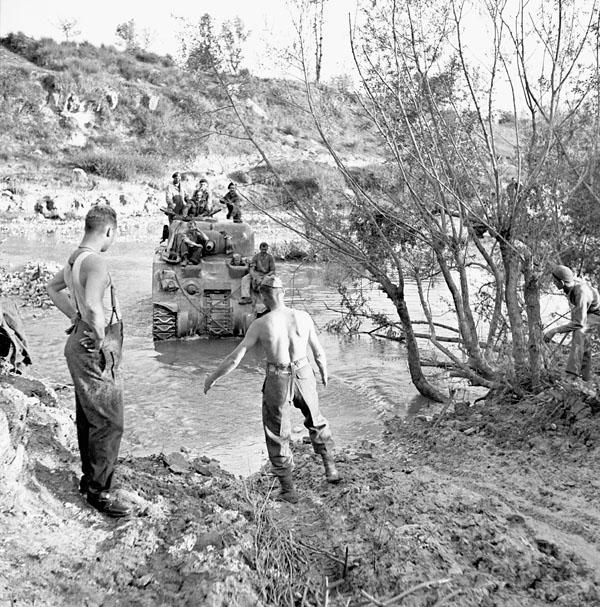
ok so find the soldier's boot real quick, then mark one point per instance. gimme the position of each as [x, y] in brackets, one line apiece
[331, 472]
[107, 504]
[288, 491]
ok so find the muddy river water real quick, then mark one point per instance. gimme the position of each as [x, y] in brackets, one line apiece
[165, 408]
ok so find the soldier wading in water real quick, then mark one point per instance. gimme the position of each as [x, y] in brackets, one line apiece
[285, 334]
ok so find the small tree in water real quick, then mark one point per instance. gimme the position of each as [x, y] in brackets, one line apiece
[460, 174]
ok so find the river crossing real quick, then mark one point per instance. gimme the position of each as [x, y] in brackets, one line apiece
[165, 408]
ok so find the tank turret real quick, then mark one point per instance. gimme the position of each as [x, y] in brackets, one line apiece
[197, 280]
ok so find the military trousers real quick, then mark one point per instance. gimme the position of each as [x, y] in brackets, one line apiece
[98, 402]
[580, 355]
[286, 386]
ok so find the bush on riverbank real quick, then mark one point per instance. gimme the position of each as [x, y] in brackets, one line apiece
[118, 166]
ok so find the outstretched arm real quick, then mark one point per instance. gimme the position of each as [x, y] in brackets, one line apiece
[578, 318]
[231, 361]
[318, 352]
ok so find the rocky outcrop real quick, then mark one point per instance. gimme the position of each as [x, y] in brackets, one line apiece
[30, 423]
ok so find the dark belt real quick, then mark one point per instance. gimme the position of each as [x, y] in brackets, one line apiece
[286, 368]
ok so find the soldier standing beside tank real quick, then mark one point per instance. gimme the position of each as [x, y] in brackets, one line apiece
[93, 353]
[286, 334]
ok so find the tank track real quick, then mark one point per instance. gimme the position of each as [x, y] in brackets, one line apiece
[164, 323]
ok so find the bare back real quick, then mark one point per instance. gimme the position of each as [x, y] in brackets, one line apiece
[285, 334]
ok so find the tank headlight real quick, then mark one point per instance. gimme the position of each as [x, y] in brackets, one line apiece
[192, 289]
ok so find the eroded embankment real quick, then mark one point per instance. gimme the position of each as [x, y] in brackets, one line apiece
[453, 511]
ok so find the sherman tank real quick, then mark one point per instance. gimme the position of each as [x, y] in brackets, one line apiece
[202, 298]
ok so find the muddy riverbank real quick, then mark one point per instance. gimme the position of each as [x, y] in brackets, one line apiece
[463, 509]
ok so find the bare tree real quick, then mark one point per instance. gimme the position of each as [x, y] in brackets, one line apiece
[231, 43]
[308, 17]
[69, 28]
[460, 174]
[318, 21]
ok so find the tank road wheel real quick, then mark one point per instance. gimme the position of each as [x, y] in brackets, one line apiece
[164, 323]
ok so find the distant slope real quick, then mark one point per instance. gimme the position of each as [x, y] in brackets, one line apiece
[74, 104]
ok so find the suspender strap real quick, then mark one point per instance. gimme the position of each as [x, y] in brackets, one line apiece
[113, 303]
[76, 288]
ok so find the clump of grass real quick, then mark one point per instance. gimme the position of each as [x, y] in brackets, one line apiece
[292, 250]
[118, 166]
[284, 566]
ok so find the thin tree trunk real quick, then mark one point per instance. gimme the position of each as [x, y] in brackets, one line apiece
[511, 274]
[396, 294]
[534, 321]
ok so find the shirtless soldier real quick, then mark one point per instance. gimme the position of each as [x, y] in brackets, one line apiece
[285, 334]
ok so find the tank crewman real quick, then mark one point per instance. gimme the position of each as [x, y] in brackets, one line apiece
[261, 265]
[176, 200]
[200, 204]
[233, 201]
[286, 335]
[93, 353]
[193, 245]
[584, 301]
[175, 197]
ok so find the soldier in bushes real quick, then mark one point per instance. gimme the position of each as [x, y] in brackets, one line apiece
[233, 201]
[286, 335]
[585, 315]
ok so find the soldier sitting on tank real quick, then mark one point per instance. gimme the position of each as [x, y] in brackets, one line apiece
[200, 204]
[262, 265]
[193, 245]
[177, 203]
[234, 203]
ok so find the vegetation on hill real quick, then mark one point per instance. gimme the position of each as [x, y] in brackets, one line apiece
[134, 111]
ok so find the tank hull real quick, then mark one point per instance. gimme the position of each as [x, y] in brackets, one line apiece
[203, 298]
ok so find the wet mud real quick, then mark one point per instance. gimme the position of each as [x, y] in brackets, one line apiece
[452, 509]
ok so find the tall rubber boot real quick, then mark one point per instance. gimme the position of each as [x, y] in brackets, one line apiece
[331, 472]
[288, 491]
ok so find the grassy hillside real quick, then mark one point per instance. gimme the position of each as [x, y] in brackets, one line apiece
[124, 115]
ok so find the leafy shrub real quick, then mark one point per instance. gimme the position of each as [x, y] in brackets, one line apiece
[292, 250]
[375, 178]
[303, 187]
[119, 166]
